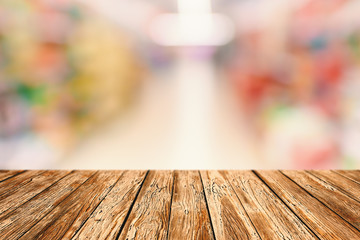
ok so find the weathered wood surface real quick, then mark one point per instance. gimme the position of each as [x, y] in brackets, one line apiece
[69, 215]
[36, 184]
[321, 220]
[229, 218]
[10, 186]
[189, 217]
[106, 221]
[339, 182]
[270, 216]
[8, 174]
[179, 204]
[353, 174]
[341, 204]
[17, 222]
[149, 218]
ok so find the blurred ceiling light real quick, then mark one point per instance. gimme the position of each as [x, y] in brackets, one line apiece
[188, 7]
[194, 25]
[177, 30]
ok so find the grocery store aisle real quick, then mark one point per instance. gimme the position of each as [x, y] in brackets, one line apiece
[141, 133]
[184, 119]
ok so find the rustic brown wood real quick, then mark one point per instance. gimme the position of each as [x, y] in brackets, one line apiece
[67, 217]
[353, 174]
[179, 204]
[189, 215]
[6, 174]
[343, 184]
[38, 183]
[105, 222]
[347, 208]
[11, 185]
[270, 216]
[14, 224]
[228, 216]
[322, 221]
[149, 218]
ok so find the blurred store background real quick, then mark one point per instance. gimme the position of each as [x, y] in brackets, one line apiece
[206, 84]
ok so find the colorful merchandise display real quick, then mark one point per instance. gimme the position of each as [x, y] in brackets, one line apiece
[296, 73]
[63, 71]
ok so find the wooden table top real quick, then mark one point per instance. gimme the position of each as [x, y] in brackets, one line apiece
[180, 204]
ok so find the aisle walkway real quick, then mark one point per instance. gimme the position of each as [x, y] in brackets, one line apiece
[179, 122]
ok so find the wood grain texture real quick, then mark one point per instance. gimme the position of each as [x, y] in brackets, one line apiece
[11, 185]
[105, 222]
[16, 223]
[346, 207]
[6, 174]
[189, 215]
[35, 185]
[270, 216]
[351, 174]
[149, 218]
[343, 184]
[322, 221]
[229, 218]
[67, 217]
[179, 204]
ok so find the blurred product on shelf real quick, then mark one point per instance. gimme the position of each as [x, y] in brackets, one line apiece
[297, 75]
[63, 70]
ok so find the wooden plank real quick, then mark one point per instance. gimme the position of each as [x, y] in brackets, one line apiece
[106, 221]
[149, 218]
[346, 207]
[228, 216]
[270, 216]
[13, 184]
[38, 183]
[6, 174]
[351, 174]
[343, 184]
[14, 224]
[189, 215]
[322, 221]
[67, 217]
